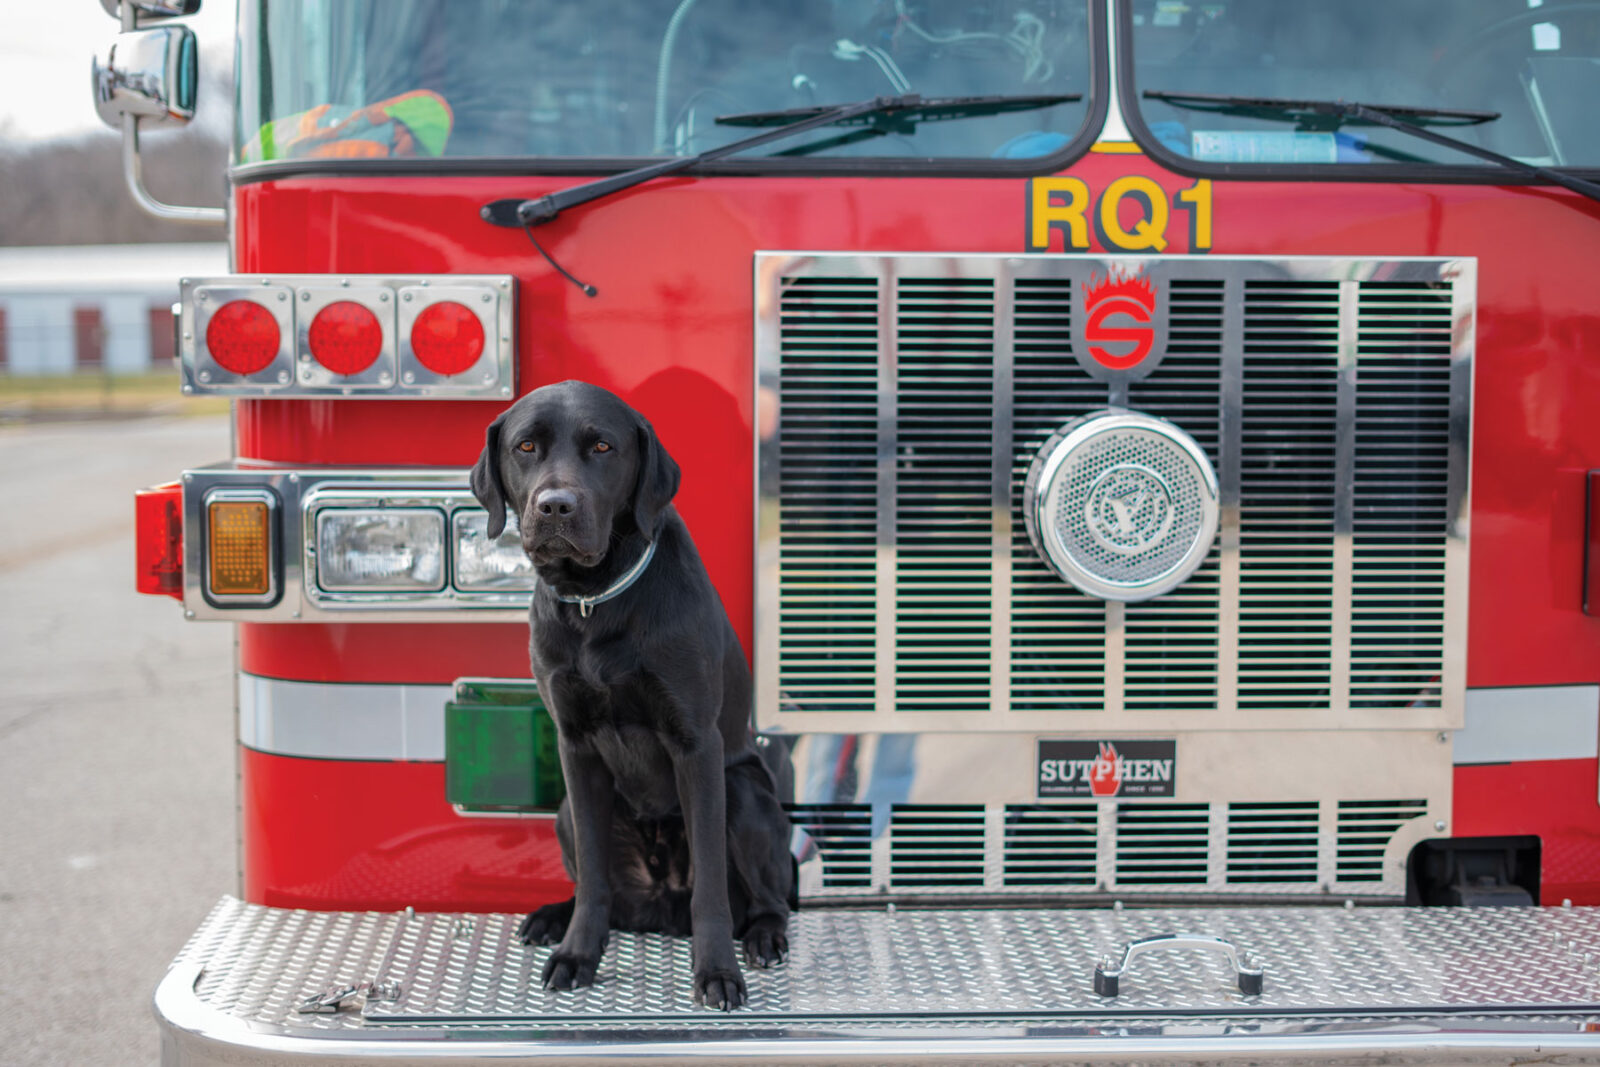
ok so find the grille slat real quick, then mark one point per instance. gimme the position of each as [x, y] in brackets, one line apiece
[1057, 645]
[936, 846]
[1401, 494]
[1365, 828]
[1287, 458]
[1171, 641]
[828, 378]
[1163, 844]
[944, 420]
[842, 835]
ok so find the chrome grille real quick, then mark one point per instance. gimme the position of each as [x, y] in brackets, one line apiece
[1288, 847]
[897, 588]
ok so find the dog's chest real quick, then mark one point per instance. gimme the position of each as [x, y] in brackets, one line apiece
[621, 725]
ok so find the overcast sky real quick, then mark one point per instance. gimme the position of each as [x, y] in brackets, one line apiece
[45, 51]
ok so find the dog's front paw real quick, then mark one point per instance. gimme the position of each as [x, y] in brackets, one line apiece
[547, 925]
[568, 970]
[766, 942]
[719, 987]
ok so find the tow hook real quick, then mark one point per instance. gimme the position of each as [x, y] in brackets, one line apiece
[333, 999]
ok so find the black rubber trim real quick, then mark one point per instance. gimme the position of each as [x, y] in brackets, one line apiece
[1424, 173]
[786, 167]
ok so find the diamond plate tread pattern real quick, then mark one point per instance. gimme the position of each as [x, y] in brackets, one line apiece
[874, 968]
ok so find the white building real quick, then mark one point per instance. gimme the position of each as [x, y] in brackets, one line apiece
[94, 308]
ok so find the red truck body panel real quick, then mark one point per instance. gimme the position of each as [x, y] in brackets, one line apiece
[672, 333]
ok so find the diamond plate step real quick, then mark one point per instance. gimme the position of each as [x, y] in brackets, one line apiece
[1468, 982]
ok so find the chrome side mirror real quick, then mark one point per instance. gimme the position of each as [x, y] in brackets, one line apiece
[149, 75]
[148, 80]
[154, 8]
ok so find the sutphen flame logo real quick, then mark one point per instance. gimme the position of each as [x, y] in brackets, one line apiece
[1105, 775]
[1107, 768]
[1112, 304]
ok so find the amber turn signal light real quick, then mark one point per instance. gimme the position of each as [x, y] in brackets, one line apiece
[240, 557]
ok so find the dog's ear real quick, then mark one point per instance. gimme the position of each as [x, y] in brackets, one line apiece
[486, 484]
[658, 481]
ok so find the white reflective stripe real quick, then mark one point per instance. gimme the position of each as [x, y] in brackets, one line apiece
[326, 720]
[1535, 723]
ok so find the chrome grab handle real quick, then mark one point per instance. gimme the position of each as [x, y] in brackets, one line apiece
[1108, 972]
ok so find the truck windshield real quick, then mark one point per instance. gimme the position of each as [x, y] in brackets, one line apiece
[631, 78]
[1533, 66]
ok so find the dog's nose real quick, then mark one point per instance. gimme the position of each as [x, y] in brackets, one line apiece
[556, 502]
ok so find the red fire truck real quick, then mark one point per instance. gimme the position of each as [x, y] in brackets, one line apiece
[1148, 449]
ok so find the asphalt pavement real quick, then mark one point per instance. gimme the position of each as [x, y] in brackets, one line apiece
[116, 744]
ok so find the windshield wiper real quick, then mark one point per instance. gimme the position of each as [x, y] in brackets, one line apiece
[907, 111]
[1320, 114]
[900, 119]
[1331, 114]
[883, 114]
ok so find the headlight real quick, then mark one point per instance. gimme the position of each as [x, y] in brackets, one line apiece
[485, 566]
[393, 550]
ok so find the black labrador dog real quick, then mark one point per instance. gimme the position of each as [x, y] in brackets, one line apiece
[671, 821]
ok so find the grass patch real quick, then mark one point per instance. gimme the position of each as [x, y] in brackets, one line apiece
[154, 392]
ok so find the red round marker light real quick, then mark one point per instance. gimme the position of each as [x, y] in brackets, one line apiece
[346, 337]
[447, 338]
[243, 337]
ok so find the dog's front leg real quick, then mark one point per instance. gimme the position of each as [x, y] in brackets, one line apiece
[699, 771]
[590, 795]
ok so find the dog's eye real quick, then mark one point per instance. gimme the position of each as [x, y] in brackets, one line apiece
[526, 446]
[601, 446]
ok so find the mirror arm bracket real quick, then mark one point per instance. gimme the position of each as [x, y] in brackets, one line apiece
[132, 172]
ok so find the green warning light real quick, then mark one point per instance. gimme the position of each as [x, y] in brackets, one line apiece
[500, 751]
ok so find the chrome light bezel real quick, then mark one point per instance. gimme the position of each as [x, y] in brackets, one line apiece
[395, 300]
[299, 493]
[1045, 490]
[458, 539]
[484, 373]
[275, 553]
[321, 528]
[310, 373]
[212, 376]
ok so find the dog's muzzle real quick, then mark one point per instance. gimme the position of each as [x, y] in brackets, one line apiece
[557, 525]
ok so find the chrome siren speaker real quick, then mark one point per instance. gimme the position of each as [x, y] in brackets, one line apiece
[1122, 505]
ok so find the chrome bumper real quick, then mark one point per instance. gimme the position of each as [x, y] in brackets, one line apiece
[266, 985]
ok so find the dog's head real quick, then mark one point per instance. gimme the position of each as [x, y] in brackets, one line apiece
[579, 468]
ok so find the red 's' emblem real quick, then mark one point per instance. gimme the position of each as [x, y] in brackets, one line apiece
[1111, 304]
